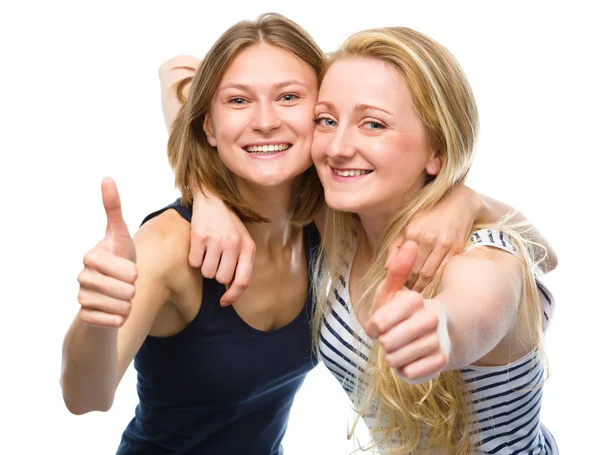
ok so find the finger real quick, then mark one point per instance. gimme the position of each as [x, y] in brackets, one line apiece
[423, 254]
[443, 264]
[429, 269]
[398, 309]
[396, 275]
[413, 351]
[420, 324]
[211, 260]
[197, 249]
[111, 265]
[393, 249]
[101, 319]
[115, 224]
[93, 300]
[241, 280]
[95, 281]
[425, 367]
[226, 267]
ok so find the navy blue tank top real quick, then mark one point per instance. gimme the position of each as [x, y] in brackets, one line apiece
[220, 386]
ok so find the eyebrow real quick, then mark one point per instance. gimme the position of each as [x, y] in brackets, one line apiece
[277, 86]
[357, 108]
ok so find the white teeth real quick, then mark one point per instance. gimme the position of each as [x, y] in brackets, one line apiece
[351, 172]
[267, 149]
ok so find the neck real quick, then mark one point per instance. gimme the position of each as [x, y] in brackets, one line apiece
[375, 219]
[275, 204]
[373, 225]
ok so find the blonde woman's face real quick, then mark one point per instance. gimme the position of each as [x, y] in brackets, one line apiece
[261, 116]
[369, 146]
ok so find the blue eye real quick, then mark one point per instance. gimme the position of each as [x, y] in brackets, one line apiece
[325, 121]
[374, 125]
[237, 101]
[289, 97]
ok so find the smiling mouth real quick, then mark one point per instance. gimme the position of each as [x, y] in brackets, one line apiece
[350, 172]
[269, 149]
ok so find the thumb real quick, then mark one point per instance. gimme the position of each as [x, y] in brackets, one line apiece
[116, 228]
[398, 271]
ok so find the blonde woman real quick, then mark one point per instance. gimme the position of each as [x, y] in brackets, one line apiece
[459, 368]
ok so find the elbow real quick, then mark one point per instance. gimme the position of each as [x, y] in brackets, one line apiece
[551, 260]
[180, 61]
[78, 407]
[82, 403]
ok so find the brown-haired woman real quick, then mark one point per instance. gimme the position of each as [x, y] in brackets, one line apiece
[212, 380]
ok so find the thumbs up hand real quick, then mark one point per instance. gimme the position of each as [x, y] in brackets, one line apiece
[107, 281]
[412, 331]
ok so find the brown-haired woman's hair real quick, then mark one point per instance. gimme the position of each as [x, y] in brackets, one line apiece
[195, 162]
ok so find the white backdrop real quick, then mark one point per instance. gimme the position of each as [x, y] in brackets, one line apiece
[80, 100]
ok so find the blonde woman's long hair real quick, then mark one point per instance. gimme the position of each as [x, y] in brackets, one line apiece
[194, 161]
[431, 417]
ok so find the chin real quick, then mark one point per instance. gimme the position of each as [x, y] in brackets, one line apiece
[344, 202]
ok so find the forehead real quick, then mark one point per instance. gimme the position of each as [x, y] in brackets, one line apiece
[264, 64]
[363, 80]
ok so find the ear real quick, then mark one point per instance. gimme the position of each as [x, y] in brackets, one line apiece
[208, 130]
[434, 165]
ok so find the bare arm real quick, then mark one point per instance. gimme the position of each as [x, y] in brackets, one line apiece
[474, 310]
[442, 231]
[494, 210]
[112, 323]
[170, 73]
[481, 292]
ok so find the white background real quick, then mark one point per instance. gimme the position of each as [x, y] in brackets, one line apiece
[79, 99]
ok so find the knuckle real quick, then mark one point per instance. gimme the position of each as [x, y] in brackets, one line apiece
[413, 232]
[430, 320]
[407, 373]
[445, 243]
[441, 360]
[130, 292]
[385, 343]
[134, 273]
[432, 343]
[127, 308]
[427, 274]
[429, 238]
[200, 236]
[89, 258]
[82, 297]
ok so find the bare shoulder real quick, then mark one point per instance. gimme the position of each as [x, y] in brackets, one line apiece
[163, 244]
[483, 263]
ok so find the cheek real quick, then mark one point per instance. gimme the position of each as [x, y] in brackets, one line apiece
[319, 146]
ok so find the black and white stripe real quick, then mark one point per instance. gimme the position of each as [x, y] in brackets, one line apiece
[506, 399]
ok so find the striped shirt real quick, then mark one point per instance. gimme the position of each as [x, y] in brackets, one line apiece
[506, 399]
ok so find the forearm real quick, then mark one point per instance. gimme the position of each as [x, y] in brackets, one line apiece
[494, 210]
[473, 334]
[481, 298]
[89, 367]
[171, 73]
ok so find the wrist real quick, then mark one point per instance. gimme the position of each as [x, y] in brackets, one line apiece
[474, 203]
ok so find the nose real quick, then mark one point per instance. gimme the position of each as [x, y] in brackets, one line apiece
[341, 144]
[266, 118]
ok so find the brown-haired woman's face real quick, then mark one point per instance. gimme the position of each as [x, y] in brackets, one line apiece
[261, 115]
